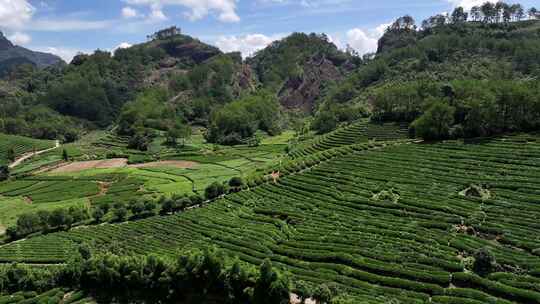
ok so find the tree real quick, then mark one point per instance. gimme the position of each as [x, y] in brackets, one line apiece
[236, 182]
[533, 13]
[489, 12]
[136, 207]
[405, 23]
[271, 287]
[4, 172]
[323, 294]
[167, 205]
[178, 131]
[65, 155]
[85, 251]
[28, 223]
[11, 155]
[518, 11]
[303, 291]
[459, 15]
[435, 123]
[214, 190]
[59, 218]
[324, 122]
[98, 215]
[150, 206]
[484, 262]
[120, 213]
[476, 13]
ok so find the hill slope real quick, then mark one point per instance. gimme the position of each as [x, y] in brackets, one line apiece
[11, 56]
[398, 223]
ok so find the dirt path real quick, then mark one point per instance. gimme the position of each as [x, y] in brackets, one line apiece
[29, 155]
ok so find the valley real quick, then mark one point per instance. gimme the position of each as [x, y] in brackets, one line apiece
[305, 171]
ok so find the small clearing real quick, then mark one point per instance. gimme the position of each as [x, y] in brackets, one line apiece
[180, 164]
[92, 164]
[119, 163]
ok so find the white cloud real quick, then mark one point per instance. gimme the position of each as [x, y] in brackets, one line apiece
[50, 25]
[65, 53]
[246, 44]
[15, 13]
[226, 9]
[361, 41]
[123, 45]
[157, 15]
[129, 12]
[19, 38]
[468, 4]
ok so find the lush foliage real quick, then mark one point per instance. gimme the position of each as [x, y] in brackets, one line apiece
[239, 120]
[194, 277]
[377, 220]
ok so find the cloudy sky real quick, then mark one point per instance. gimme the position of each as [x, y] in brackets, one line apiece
[65, 27]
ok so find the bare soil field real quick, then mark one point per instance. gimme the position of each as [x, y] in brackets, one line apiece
[92, 164]
[119, 163]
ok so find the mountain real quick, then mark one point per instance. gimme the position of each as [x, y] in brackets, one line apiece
[12, 55]
[300, 67]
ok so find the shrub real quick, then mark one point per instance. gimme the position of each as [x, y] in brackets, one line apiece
[484, 262]
[214, 190]
[4, 172]
[236, 182]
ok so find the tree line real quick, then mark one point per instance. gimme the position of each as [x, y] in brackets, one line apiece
[47, 221]
[193, 277]
[460, 108]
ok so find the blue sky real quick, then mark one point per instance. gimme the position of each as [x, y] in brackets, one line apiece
[66, 27]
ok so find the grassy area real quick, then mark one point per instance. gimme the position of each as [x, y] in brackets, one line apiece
[20, 145]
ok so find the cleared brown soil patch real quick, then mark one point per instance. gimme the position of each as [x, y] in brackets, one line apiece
[167, 163]
[92, 164]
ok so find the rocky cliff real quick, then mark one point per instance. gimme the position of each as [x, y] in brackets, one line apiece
[12, 55]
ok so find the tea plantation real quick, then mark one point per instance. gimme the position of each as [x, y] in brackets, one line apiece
[396, 222]
[20, 145]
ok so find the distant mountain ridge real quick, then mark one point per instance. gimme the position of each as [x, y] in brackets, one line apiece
[12, 55]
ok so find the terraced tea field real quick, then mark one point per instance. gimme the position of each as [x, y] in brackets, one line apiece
[394, 224]
[20, 145]
[354, 133]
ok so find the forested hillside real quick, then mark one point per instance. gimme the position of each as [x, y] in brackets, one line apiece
[451, 77]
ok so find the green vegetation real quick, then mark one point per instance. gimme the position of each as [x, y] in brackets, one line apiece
[239, 120]
[323, 225]
[193, 277]
[13, 146]
[188, 175]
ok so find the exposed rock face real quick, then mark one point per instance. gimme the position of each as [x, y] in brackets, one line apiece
[4, 43]
[301, 92]
[11, 56]
[244, 79]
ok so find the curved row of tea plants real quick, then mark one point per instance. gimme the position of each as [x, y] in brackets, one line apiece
[398, 223]
[357, 132]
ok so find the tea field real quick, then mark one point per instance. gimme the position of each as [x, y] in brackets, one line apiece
[20, 145]
[387, 223]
